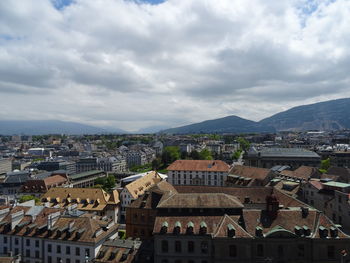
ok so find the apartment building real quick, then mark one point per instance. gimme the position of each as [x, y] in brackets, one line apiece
[198, 172]
[52, 235]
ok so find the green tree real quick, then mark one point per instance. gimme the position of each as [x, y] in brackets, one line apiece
[156, 163]
[237, 154]
[205, 154]
[170, 154]
[325, 165]
[244, 144]
[194, 155]
[25, 198]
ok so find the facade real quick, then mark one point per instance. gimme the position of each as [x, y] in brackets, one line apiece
[217, 228]
[50, 235]
[198, 172]
[13, 183]
[136, 158]
[340, 159]
[70, 167]
[91, 200]
[270, 157]
[330, 197]
[141, 213]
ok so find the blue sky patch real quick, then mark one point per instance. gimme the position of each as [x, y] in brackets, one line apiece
[60, 4]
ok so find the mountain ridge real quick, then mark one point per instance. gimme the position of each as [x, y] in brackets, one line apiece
[326, 115]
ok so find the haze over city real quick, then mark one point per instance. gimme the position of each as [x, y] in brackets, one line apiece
[133, 64]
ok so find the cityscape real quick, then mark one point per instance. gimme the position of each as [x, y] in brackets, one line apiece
[174, 131]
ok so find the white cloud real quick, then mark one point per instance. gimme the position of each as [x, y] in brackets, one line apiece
[132, 65]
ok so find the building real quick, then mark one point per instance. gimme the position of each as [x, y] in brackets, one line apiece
[330, 197]
[70, 167]
[118, 250]
[91, 200]
[241, 175]
[85, 179]
[216, 227]
[52, 235]
[5, 166]
[137, 188]
[270, 157]
[13, 182]
[198, 172]
[39, 186]
[86, 164]
[340, 159]
[136, 158]
[141, 213]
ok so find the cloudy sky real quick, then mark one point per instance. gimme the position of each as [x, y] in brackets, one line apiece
[133, 64]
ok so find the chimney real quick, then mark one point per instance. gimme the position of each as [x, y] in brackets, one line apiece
[272, 205]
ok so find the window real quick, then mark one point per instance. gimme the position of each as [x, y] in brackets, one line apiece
[16, 251]
[204, 247]
[27, 253]
[37, 243]
[16, 241]
[165, 246]
[49, 248]
[178, 246]
[68, 260]
[5, 250]
[339, 220]
[165, 261]
[301, 250]
[49, 259]
[280, 251]
[190, 246]
[77, 261]
[59, 260]
[58, 249]
[330, 251]
[339, 199]
[37, 254]
[5, 240]
[87, 252]
[27, 242]
[67, 250]
[260, 250]
[77, 251]
[232, 251]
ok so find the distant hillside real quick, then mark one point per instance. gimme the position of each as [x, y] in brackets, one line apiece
[328, 115]
[230, 124]
[9, 127]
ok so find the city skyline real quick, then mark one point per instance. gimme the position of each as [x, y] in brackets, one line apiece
[134, 64]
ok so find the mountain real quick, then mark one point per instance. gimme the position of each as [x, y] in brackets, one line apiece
[152, 129]
[10, 127]
[328, 115]
[229, 124]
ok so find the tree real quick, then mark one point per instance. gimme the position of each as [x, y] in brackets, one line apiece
[106, 183]
[156, 163]
[244, 144]
[194, 155]
[205, 154]
[237, 154]
[170, 154]
[325, 164]
[25, 198]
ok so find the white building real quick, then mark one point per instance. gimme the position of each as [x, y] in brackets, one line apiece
[198, 172]
[5, 166]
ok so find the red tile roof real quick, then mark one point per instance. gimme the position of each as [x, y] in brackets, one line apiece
[199, 165]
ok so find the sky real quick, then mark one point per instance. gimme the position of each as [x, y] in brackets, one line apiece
[134, 64]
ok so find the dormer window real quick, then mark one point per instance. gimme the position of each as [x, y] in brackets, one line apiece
[177, 228]
[231, 231]
[203, 228]
[323, 232]
[164, 228]
[190, 227]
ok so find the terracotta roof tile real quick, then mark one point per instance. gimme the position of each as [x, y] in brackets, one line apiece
[199, 165]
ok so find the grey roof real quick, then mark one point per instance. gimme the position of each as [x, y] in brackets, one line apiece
[287, 152]
[21, 178]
